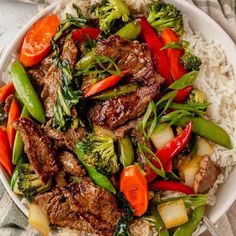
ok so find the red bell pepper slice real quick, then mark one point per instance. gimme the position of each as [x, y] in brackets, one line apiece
[5, 91]
[166, 185]
[85, 34]
[5, 152]
[104, 84]
[14, 113]
[167, 153]
[154, 44]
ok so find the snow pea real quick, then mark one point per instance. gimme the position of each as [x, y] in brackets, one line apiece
[116, 92]
[130, 31]
[188, 228]
[18, 146]
[207, 129]
[126, 151]
[98, 178]
[26, 92]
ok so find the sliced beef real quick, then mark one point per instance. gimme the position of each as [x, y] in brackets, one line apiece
[38, 148]
[129, 55]
[71, 165]
[206, 176]
[117, 111]
[7, 104]
[81, 206]
[66, 139]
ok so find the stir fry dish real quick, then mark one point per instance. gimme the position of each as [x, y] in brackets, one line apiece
[102, 127]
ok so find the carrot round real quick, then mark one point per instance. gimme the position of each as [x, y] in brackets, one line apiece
[36, 44]
[133, 185]
[14, 113]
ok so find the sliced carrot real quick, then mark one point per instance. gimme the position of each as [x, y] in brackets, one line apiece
[14, 113]
[36, 44]
[104, 84]
[5, 91]
[133, 185]
[5, 152]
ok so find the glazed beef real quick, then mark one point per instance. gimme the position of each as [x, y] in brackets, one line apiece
[117, 111]
[129, 55]
[38, 148]
[81, 206]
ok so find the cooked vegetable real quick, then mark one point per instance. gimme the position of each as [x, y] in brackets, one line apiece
[190, 61]
[29, 183]
[3, 114]
[84, 147]
[38, 219]
[116, 92]
[164, 15]
[173, 213]
[197, 96]
[126, 151]
[165, 185]
[133, 185]
[130, 31]
[109, 11]
[85, 34]
[26, 92]
[18, 146]
[86, 60]
[204, 147]
[36, 44]
[158, 55]
[162, 135]
[14, 181]
[207, 129]
[5, 91]
[188, 228]
[104, 84]
[101, 131]
[99, 152]
[14, 113]
[5, 152]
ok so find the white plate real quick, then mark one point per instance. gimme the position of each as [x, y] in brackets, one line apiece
[200, 22]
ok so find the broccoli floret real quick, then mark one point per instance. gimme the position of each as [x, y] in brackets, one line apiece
[29, 183]
[197, 96]
[164, 15]
[99, 152]
[110, 10]
[190, 61]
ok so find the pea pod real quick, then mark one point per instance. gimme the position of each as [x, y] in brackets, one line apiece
[130, 31]
[26, 92]
[188, 228]
[97, 177]
[126, 151]
[207, 129]
[116, 92]
[86, 60]
[18, 143]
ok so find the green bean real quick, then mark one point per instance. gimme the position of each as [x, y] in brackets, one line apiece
[126, 151]
[130, 31]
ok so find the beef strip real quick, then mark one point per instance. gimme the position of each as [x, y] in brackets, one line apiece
[38, 148]
[129, 55]
[206, 176]
[66, 206]
[71, 165]
[66, 139]
[7, 104]
[117, 111]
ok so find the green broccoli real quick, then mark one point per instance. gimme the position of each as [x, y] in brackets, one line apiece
[29, 183]
[110, 10]
[164, 15]
[99, 152]
[190, 61]
[197, 96]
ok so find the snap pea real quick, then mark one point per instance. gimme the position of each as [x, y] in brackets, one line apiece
[86, 60]
[188, 228]
[126, 151]
[130, 31]
[97, 177]
[116, 92]
[26, 92]
[207, 129]
[18, 146]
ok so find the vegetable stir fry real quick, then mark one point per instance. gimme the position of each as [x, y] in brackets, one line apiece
[102, 127]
